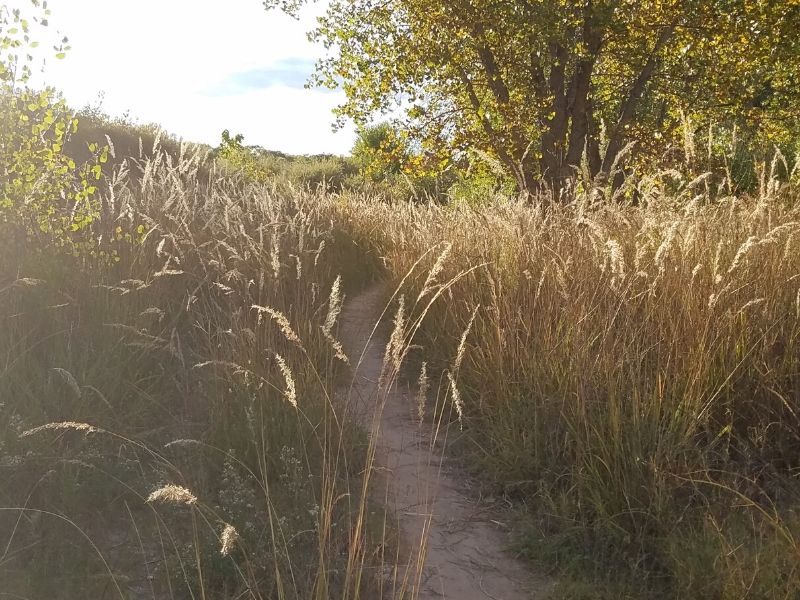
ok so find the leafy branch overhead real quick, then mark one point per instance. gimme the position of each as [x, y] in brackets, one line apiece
[549, 87]
[42, 189]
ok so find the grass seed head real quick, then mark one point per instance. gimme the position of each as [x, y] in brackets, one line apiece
[172, 494]
[62, 426]
[282, 321]
[291, 389]
[228, 539]
[423, 385]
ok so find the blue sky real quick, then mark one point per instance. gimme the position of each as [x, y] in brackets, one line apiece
[198, 67]
[292, 72]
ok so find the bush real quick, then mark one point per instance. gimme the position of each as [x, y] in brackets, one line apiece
[44, 195]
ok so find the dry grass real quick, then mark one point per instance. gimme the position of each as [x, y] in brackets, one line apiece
[632, 377]
[629, 376]
[211, 428]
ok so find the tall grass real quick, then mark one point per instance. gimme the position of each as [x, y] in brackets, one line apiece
[167, 422]
[627, 376]
[633, 376]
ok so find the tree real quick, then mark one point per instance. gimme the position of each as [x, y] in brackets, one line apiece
[546, 85]
[243, 159]
[44, 195]
[380, 152]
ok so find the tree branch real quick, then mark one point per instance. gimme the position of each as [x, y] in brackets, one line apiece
[631, 101]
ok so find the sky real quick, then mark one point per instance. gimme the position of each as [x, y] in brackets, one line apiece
[197, 67]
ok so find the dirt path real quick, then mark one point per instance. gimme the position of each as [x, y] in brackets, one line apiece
[464, 557]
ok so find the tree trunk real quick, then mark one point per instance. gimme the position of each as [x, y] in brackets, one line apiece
[552, 142]
[564, 144]
[630, 104]
[581, 87]
[593, 156]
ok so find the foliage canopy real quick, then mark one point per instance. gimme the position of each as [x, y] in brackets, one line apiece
[44, 195]
[548, 86]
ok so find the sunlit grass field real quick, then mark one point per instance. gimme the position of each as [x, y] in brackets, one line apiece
[630, 385]
[168, 425]
[633, 378]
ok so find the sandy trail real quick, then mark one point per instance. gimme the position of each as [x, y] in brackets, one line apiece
[466, 556]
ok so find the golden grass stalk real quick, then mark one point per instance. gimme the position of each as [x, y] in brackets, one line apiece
[455, 396]
[396, 347]
[62, 426]
[172, 494]
[228, 539]
[291, 390]
[437, 268]
[334, 308]
[423, 385]
[462, 343]
[282, 321]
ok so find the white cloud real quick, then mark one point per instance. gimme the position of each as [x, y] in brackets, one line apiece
[158, 59]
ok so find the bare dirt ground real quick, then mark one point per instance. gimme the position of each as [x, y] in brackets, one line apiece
[456, 547]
